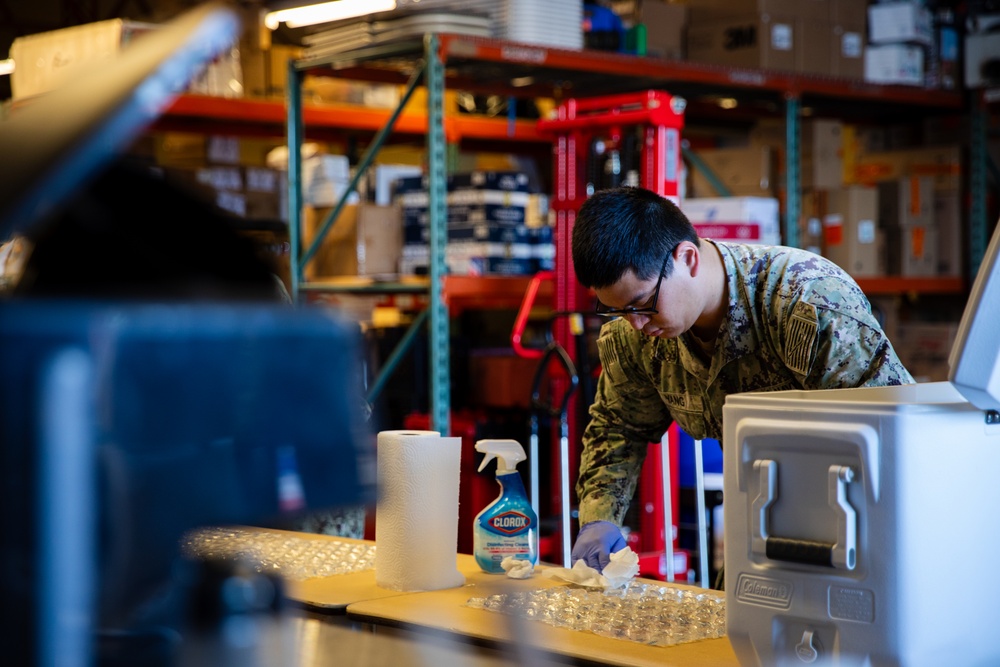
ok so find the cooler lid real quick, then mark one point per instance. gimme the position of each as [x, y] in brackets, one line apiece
[54, 144]
[975, 355]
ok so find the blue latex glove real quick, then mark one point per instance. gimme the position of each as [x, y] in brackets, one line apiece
[596, 542]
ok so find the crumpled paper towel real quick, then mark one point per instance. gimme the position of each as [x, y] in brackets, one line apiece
[624, 566]
[517, 568]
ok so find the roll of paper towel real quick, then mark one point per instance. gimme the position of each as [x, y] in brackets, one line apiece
[416, 516]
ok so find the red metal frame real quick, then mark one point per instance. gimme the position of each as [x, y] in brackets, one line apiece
[577, 123]
[524, 312]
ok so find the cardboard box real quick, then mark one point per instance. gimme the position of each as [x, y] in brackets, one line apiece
[665, 25]
[252, 193]
[183, 149]
[325, 179]
[266, 193]
[475, 258]
[912, 251]
[822, 153]
[981, 49]
[180, 149]
[766, 41]
[851, 236]
[814, 206]
[942, 164]
[851, 12]
[744, 219]
[507, 181]
[895, 64]
[769, 132]
[848, 50]
[906, 202]
[265, 71]
[950, 241]
[806, 9]
[365, 240]
[896, 22]
[924, 348]
[46, 59]
[815, 46]
[746, 172]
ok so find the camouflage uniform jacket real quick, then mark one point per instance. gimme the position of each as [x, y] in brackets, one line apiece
[796, 321]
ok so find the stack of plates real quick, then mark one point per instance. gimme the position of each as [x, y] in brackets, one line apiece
[555, 23]
[347, 36]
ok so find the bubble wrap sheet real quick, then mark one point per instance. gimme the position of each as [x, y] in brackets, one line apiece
[293, 558]
[644, 613]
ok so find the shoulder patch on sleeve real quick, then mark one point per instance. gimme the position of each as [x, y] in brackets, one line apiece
[800, 338]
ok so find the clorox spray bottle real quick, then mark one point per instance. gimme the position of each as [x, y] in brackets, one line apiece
[508, 526]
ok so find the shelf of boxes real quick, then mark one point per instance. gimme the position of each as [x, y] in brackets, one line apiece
[523, 70]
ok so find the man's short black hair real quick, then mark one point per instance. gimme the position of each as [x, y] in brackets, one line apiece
[623, 229]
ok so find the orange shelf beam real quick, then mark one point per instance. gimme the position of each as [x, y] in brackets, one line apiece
[458, 291]
[229, 113]
[490, 291]
[884, 285]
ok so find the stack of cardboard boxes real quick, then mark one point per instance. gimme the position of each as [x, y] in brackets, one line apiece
[899, 33]
[45, 60]
[232, 174]
[896, 42]
[921, 207]
[491, 229]
[823, 37]
[740, 219]
[873, 212]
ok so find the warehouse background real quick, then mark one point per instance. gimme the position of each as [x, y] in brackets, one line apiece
[885, 194]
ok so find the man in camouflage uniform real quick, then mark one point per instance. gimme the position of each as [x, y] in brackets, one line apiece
[695, 321]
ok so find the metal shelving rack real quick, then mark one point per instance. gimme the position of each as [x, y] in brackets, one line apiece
[526, 71]
[980, 104]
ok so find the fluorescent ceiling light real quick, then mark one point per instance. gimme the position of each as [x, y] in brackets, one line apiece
[324, 12]
[6, 66]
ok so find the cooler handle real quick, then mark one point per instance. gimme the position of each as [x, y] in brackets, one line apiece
[841, 554]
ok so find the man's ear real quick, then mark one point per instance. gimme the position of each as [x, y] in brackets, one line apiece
[687, 257]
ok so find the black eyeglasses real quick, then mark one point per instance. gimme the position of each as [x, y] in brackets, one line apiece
[648, 308]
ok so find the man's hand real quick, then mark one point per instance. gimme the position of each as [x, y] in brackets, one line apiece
[596, 542]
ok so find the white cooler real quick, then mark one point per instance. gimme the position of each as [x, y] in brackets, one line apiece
[863, 525]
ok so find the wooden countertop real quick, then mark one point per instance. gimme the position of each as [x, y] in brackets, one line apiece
[445, 613]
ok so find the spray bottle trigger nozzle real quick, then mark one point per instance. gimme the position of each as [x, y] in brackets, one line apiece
[507, 452]
[486, 459]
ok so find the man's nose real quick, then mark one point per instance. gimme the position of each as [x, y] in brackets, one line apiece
[637, 320]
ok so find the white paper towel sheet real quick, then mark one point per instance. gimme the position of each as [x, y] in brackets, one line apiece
[416, 516]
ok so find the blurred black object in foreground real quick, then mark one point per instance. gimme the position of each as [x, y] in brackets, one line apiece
[151, 381]
[132, 236]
